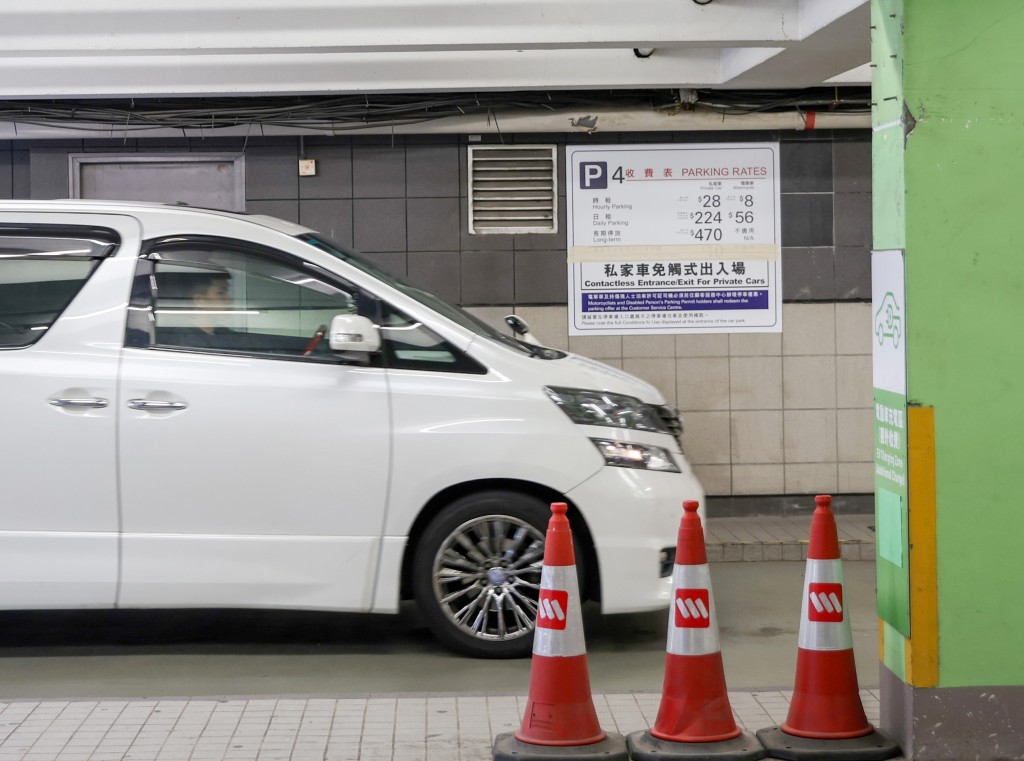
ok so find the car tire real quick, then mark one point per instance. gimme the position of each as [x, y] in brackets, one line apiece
[476, 573]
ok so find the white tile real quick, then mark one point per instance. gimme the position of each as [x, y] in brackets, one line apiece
[716, 479]
[808, 329]
[649, 346]
[810, 436]
[756, 437]
[853, 328]
[598, 347]
[854, 381]
[856, 477]
[755, 344]
[706, 437]
[702, 345]
[856, 430]
[757, 479]
[755, 383]
[815, 478]
[809, 382]
[702, 383]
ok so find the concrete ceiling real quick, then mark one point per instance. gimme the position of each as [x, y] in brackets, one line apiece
[158, 48]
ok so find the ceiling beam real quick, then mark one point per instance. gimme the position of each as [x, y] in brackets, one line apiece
[160, 48]
[205, 27]
[296, 74]
[829, 51]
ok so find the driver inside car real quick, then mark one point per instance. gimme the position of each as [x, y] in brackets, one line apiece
[204, 299]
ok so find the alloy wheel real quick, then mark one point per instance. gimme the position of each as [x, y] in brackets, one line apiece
[486, 577]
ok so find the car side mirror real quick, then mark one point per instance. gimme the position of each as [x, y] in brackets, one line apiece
[520, 328]
[353, 332]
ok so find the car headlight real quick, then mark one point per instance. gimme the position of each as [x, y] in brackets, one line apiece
[604, 408]
[625, 454]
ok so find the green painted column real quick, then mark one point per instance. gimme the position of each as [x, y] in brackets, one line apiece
[948, 156]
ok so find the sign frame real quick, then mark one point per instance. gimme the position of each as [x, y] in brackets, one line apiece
[674, 238]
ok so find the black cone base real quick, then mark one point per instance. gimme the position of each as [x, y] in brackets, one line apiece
[873, 747]
[508, 748]
[643, 746]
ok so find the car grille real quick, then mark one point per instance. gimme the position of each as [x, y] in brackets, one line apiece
[669, 417]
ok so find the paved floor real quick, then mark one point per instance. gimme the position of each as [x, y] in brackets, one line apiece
[776, 538]
[378, 727]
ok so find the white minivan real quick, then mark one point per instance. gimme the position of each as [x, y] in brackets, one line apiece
[209, 409]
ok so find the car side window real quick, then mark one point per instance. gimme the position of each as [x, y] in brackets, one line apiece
[222, 298]
[39, 276]
[410, 345]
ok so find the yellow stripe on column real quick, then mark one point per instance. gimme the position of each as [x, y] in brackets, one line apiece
[923, 645]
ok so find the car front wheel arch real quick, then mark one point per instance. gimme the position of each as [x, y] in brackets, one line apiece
[586, 554]
[475, 571]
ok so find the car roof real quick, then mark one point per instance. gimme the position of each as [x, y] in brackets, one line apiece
[145, 208]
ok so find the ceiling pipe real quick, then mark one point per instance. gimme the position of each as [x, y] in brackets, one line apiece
[593, 121]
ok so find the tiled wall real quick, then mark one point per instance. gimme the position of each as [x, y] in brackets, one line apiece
[765, 413]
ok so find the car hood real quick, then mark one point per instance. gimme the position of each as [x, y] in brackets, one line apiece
[569, 371]
[607, 378]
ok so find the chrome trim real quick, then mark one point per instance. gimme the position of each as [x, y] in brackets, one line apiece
[93, 403]
[151, 405]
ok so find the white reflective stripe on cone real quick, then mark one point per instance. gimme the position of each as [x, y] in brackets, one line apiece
[692, 620]
[559, 630]
[824, 624]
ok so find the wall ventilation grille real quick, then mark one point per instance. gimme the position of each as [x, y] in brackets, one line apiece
[512, 189]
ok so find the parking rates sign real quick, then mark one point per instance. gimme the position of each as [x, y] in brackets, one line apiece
[679, 238]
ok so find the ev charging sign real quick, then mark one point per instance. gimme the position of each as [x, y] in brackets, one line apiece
[674, 238]
[889, 335]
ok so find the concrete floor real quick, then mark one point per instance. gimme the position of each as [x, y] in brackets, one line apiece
[149, 654]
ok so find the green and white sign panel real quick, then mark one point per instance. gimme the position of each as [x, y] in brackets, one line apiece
[889, 370]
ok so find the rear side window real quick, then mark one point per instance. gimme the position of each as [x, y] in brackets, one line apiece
[41, 271]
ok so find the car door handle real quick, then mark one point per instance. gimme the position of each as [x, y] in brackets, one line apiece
[92, 402]
[151, 405]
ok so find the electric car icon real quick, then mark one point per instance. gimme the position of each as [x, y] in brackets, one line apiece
[888, 323]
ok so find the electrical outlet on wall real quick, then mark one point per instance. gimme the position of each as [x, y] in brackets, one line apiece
[307, 167]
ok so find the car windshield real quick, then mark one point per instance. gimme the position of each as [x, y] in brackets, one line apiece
[453, 313]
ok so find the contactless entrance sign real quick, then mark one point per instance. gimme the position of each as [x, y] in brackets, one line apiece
[674, 239]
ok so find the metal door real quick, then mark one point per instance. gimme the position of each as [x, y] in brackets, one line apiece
[209, 181]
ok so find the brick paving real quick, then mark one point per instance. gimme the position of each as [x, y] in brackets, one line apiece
[376, 728]
[762, 538]
[420, 727]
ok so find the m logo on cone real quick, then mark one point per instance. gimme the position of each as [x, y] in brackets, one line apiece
[826, 603]
[693, 609]
[552, 607]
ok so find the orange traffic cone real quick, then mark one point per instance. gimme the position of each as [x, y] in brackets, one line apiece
[695, 719]
[560, 720]
[826, 716]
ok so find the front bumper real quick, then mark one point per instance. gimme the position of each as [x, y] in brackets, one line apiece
[634, 515]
